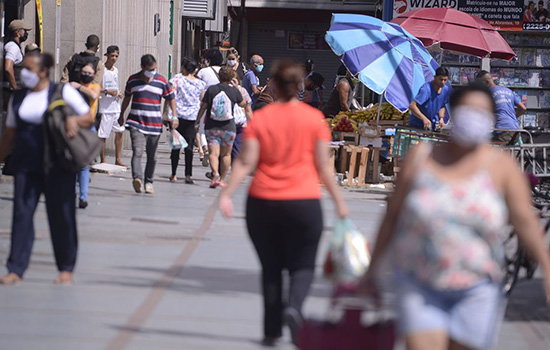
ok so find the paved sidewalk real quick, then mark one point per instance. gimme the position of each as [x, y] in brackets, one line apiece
[147, 280]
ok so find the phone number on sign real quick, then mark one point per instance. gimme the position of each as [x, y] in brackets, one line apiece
[536, 26]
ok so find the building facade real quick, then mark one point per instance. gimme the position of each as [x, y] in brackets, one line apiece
[295, 29]
[163, 28]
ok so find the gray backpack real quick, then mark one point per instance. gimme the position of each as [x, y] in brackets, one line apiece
[73, 154]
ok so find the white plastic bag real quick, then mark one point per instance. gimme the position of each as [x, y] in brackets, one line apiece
[348, 257]
[176, 141]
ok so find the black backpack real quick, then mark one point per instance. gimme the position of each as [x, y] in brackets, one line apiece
[78, 61]
[72, 154]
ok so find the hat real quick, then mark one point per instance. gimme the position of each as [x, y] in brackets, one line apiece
[17, 24]
[31, 47]
[111, 49]
[317, 79]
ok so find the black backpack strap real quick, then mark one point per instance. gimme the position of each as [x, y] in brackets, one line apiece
[217, 74]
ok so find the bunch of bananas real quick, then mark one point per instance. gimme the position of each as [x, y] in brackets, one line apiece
[388, 112]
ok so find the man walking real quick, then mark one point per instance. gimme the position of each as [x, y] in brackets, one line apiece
[71, 72]
[251, 82]
[428, 107]
[109, 105]
[508, 108]
[145, 90]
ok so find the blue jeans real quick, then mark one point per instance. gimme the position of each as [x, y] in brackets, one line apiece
[83, 179]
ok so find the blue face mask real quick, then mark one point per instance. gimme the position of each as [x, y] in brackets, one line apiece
[260, 68]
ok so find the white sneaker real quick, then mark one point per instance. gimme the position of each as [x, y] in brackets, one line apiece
[149, 188]
[137, 185]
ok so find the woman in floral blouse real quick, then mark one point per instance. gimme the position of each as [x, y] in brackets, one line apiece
[445, 221]
[188, 91]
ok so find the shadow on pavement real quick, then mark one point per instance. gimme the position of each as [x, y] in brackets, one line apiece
[206, 280]
[209, 336]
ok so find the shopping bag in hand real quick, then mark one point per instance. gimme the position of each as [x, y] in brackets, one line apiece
[176, 141]
[348, 256]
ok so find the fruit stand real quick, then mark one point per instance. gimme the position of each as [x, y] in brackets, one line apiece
[361, 141]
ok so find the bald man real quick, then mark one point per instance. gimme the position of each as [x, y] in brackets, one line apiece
[251, 82]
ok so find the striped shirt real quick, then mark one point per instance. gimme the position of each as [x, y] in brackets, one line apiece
[145, 114]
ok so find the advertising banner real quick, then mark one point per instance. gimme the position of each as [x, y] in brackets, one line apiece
[529, 15]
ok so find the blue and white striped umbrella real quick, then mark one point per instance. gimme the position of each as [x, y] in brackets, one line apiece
[383, 56]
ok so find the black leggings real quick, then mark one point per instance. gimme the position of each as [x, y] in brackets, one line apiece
[187, 129]
[286, 235]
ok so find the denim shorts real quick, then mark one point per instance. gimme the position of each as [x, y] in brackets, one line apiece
[471, 317]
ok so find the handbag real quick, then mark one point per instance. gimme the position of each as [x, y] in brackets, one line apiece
[73, 154]
[357, 328]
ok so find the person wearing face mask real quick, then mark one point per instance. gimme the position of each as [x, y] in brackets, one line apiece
[25, 134]
[428, 107]
[71, 71]
[90, 91]
[146, 90]
[444, 225]
[13, 57]
[210, 74]
[189, 91]
[233, 60]
[251, 81]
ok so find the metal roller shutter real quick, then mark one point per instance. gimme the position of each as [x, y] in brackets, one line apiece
[270, 40]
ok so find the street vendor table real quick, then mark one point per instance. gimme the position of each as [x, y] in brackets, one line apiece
[361, 161]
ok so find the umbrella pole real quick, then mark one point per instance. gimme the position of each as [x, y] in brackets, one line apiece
[380, 100]
[441, 57]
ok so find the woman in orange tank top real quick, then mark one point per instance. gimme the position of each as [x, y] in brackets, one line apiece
[287, 144]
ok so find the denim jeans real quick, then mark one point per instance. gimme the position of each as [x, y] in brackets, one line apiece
[83, 180]
[149, 143]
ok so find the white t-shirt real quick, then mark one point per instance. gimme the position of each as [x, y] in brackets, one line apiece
[13, 52]
[208, 76]
[35, 105]
[110, 104]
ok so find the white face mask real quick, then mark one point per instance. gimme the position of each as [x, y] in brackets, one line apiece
[232, 63]
[150, 73]
[207, 63]
[471, 126]
[29, 79]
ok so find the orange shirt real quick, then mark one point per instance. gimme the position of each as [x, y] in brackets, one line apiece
[287, 133]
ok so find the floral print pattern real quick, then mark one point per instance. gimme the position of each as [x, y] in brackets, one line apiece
[449, 233]
[188, 96]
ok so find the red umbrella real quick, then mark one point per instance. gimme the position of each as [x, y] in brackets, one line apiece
[457, 31]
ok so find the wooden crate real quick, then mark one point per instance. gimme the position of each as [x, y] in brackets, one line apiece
[359, 154]
[363, 162]
[347, 137]
[332, 156]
